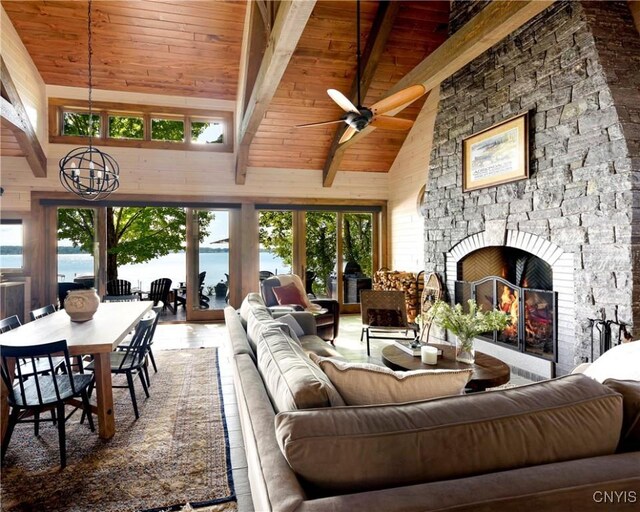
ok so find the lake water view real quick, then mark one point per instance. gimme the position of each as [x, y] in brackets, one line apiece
[216, 264]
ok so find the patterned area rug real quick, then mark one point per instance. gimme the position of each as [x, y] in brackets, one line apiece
[176, 456]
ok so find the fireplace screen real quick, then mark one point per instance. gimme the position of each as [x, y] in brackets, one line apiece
[532, 308]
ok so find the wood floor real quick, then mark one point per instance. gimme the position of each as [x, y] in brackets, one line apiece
[172, 336]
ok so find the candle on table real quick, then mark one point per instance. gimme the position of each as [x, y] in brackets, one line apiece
[429, 355]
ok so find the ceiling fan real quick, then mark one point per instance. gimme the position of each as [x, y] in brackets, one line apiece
[358, 117]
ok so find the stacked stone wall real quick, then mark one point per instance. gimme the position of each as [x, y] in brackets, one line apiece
[568, 70]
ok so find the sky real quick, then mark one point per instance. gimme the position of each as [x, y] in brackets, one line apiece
[10, 234]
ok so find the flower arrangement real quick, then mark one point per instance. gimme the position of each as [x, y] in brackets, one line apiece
[467, 326]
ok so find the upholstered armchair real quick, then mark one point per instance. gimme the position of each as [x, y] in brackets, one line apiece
[284, 293]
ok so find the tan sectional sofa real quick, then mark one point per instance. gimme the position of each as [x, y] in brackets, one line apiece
[551, 446]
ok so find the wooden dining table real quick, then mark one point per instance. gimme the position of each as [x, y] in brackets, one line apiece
[97, 337]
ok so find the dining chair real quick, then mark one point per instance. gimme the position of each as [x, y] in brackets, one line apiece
[131, 359]
[118, 287]
[127, 342]
[64, 288]
[42, 389]
[9, 323]
[43, 311]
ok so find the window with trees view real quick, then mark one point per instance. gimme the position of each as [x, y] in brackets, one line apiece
[167, 129]
[126, 127]
[77, 123]
[207, 132]
[141, 126]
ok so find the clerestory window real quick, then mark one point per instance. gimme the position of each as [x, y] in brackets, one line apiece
[140, 126]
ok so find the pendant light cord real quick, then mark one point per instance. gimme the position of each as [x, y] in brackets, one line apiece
[358, 49]
[90, 75]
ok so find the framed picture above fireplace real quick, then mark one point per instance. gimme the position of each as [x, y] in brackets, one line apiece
[497, 155]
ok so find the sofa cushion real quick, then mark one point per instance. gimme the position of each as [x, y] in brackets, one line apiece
[368, 384]
[259, 319]
[292, 380]
[630, 391]
[237, 333]
[315, 345]
[250, 302]
[373, 447]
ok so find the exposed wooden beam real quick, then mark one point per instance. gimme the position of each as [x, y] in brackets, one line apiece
[634, 5]
[14, 117]
[10, 118]
[289, 24]
[265, 12]
[495, 22]
[377, 40]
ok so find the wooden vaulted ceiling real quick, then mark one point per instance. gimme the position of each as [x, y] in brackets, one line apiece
[326, 58]
[193, 48]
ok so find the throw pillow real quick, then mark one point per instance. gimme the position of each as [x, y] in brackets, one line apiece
[369, 384]
[384, 317]
[289, 294]
[620, 363]
[293, 324]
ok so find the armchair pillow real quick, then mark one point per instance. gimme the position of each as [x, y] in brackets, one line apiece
[289, 294]
[369, 384]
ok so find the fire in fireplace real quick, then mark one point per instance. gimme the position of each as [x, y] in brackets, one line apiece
[520, 284]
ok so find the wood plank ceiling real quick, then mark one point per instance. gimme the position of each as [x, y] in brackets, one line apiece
[193, 48]
[176, 47]
[326, 58]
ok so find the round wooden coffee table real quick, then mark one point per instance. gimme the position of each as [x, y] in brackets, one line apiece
[488, 371]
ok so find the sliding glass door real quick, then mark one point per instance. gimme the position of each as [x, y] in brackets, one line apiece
[206, 291]
[333, 251]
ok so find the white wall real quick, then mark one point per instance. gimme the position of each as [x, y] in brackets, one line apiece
[407, 176]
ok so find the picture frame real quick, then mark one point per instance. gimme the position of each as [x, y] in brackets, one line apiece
[497, 155]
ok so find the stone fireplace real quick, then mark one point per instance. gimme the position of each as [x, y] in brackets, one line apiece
[574, 69]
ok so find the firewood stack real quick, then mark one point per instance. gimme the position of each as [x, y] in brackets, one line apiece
[408, 282]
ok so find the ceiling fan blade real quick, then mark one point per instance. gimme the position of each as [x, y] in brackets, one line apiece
[350, 132]
[391, 123]
[342, 101]
[309, 125]
[398, 99]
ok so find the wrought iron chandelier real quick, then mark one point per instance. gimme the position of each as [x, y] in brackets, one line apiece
[87, 171]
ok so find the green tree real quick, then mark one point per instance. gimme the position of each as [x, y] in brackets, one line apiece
[134, 235]
[126, 127]
[78, 124]
[130, 127]
[276, 235]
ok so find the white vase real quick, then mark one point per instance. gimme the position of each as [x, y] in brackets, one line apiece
[465, 353]
[81, 305]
